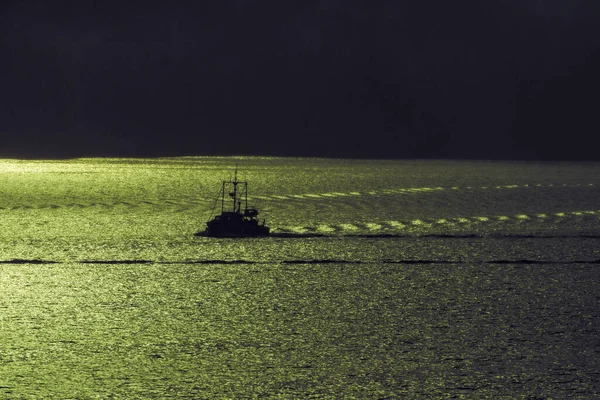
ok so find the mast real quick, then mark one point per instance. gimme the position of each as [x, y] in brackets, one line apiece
[222, 197]
[246, 195]
[234, 194]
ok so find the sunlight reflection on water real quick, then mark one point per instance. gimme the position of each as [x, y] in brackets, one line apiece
[382, 279]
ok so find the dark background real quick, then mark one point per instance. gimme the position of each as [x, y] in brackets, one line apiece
[471, 79]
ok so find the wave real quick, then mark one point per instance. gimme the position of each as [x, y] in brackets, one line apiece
[24, 261]
[414, 190]
[303, 262]
[133, 204]
[192, 202]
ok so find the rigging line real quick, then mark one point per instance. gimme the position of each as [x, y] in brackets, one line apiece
[214, 204]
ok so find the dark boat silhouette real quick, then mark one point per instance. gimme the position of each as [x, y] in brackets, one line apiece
[237, 222]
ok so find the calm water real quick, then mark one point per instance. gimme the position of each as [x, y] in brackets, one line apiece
[383, 279]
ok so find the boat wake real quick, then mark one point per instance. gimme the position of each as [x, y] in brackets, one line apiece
[496, 235]
[460, 226]
[417, 190]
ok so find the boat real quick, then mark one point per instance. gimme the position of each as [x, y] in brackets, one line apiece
[235, 221]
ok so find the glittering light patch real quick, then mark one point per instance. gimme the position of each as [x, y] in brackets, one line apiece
[503, 218]
[349, 227]
[373, 227]
[325, 228]
[522, 216]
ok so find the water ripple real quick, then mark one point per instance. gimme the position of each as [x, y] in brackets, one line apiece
[304, 261]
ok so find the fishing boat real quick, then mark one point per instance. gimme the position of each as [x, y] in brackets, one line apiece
[235, 221]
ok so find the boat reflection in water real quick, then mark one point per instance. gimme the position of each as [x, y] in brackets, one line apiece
[237, 222]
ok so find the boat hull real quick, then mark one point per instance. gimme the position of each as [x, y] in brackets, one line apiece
[235, 225]
[230, 235]
[256, 232]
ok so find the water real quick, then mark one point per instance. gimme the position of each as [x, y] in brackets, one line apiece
[382, 279]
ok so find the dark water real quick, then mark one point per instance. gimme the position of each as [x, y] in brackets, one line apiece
[383, 279]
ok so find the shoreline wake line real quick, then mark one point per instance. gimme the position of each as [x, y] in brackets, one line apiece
[300, 262]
